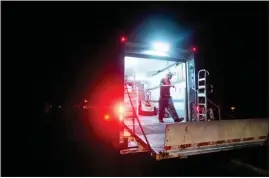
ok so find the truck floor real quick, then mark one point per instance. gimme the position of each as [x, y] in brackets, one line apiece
[154, 130]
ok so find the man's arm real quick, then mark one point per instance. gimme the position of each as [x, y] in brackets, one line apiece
[162, 84]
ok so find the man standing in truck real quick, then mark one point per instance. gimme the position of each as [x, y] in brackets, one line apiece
[165, 101]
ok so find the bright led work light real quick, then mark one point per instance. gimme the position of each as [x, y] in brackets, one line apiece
[161, 47]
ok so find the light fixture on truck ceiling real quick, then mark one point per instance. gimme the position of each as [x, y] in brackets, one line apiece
[160, 47]
[156, 53]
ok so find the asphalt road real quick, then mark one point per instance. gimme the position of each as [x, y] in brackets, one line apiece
[63, 144]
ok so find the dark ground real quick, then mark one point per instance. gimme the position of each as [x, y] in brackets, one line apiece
[64, 145]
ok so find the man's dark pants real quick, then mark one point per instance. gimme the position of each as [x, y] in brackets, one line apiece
[166, 102]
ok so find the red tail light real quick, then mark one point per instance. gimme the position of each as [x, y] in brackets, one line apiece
[120, 109]
[106, 117]
[120, 112]
[121, 117]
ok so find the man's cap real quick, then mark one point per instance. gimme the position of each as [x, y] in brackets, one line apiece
[169, 74]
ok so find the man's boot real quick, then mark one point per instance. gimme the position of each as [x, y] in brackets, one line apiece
[179, 119]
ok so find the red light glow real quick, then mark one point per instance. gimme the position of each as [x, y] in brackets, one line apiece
[123, 39]
[106, 117]
[194, 49]
[121, 109]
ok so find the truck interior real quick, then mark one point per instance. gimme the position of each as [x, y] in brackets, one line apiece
[142, 78]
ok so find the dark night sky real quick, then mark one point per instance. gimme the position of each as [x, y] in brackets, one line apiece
[58, 44]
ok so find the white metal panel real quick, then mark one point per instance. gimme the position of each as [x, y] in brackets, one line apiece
[193, 133]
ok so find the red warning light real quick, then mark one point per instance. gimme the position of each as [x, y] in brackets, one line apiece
[121, 117]
[120, 109]
[193, 49]
[123, 39]
[106, 117]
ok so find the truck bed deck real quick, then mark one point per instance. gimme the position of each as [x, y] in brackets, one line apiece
[200, 137]
[154, 130]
